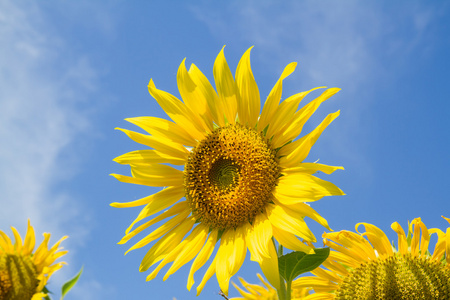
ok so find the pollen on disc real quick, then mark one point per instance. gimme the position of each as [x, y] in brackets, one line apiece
[397, 277]
[230, 176]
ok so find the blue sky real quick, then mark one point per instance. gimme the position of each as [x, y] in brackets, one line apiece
[70, 72]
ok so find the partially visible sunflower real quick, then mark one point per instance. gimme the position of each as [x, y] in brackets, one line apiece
[264, 291]
[366, 266]
[255, 291]
[24, 273]
[244, 179]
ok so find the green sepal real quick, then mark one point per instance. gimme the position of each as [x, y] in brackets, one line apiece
[46, 291]
[293, 264]
[70, 284]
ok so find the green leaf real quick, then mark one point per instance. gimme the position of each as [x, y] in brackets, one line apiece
[70, 284]
[46, 291]
[293, 264]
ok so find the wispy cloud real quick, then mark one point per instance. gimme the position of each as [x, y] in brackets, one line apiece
[329, 41]
[337, 43]
[43, 85]
[333, 41]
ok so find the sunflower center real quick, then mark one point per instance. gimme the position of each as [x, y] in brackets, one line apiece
[18, 277]
[229, 176]
[397, 277]
[224, 173]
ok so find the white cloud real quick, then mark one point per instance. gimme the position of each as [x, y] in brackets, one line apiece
[333, 41]
[336, 43]
[40, 94]
[327, 40]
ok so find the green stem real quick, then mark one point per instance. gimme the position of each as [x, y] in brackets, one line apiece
[282, 290]
[288, 290]
[280, 251]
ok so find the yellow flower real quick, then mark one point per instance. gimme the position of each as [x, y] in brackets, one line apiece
[366, 266]
[265, 291]
[23, 274]
[244, 179]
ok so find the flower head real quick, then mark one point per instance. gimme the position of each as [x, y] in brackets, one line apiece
[365, 265]
[24, 273]
[244, 178]
[264, 291]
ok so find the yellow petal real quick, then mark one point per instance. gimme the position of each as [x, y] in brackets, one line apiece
[38, 296]
[258, 236]
[269, 266]
[289, 240]
[351, 244]
[194, 243]
[160, 175]
[193, 98]
[425, 240]
[294, 126]
[402, 242]
[319, 296]
[226, 87]
[5, 243]
[440, 247]
[250, 103]
[447, 219]
[180, 216]
[311, 168]
[40, 252]
[421, 248]
[44, 256]
[447, 245]
[166, 244]
[208, 274]
[298, 187]
[164, 128]
[247, 296]
[268, 286]
[177, 111]
[308, 281]
[158, 201]
[330, 275]
[285, 113]
[182, 253]
[287, 220]
[377, 238]
[146, 157]
[294, 153]
[304, 210]
[208, 92]
[30, 240]
[181, 209]
[18, 240]
[202, 257]
[129, 179]
[272, 101]
[339, 262]
[256, 291]
[158, 143]
[230, 256]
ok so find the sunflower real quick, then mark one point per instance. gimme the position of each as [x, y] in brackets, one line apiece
[244, 180]
[366, 266]
[24, 274]
[264, 291]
